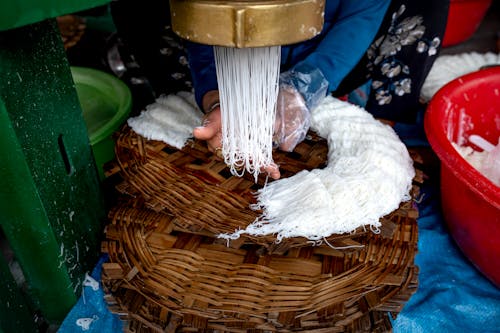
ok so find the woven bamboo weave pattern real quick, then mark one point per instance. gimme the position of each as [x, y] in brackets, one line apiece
[198, 189]
[168, 272]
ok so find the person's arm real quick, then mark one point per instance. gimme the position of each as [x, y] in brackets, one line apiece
[349, 35]
[349, 30]
[202, 65]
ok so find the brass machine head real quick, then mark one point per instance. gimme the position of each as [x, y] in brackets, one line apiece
[247, 23]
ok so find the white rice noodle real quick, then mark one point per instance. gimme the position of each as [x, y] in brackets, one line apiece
[248, 87]
[369, 173]
[170, 119]
[449, 67]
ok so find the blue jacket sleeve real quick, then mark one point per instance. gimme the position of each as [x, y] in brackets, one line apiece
[350, 27]
[202, 66]
[348, 35]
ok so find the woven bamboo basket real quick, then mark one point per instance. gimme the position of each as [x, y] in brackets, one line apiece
[169, 272]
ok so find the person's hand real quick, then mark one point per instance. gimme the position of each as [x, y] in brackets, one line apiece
[292, 119]
[211, 131]
[302, 88]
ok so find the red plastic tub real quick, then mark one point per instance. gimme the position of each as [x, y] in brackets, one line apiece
[471, 203]
[464, 17]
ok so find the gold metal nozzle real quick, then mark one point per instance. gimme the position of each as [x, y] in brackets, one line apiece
[247, 23]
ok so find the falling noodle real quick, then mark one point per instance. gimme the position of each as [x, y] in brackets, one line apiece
[248, 88]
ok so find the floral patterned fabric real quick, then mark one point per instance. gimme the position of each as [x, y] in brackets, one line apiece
[395, 64]
[383, 55]
[145, 31]
[398, 61]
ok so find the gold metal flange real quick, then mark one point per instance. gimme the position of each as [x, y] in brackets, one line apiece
[247, 23]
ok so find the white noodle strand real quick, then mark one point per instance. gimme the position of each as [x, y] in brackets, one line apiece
[369, 173]
[248, 88]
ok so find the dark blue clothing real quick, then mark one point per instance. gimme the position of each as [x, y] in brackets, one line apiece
[370, 49]
[350, 26]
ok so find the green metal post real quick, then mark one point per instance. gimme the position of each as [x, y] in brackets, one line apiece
[51, 205]
[27, 227]
[15, 315]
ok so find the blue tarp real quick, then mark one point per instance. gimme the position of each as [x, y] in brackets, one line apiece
[452, 296]
[91, 314]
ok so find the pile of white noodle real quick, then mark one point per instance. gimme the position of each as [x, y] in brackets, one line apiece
[369, 173]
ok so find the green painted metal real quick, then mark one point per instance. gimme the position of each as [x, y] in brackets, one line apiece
[15, 313]
[18, 13]
[26, 226]
[51, 205]
[106, 103]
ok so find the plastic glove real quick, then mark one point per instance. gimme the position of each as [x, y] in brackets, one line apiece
[301, 90]
[292, 119]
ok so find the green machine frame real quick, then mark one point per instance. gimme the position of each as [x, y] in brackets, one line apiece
[51, 205]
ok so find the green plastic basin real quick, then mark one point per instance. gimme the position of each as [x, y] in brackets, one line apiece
[106, 103]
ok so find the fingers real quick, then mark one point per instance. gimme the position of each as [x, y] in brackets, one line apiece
[209, 128]
[215, 143]
[210, 131]
[287, 145]
[205, 132]
[292, 120]
[273, 171]
[293, 139]
[294, 129]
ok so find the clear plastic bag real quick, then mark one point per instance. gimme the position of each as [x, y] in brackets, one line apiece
[301, 90]
[292, 119]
